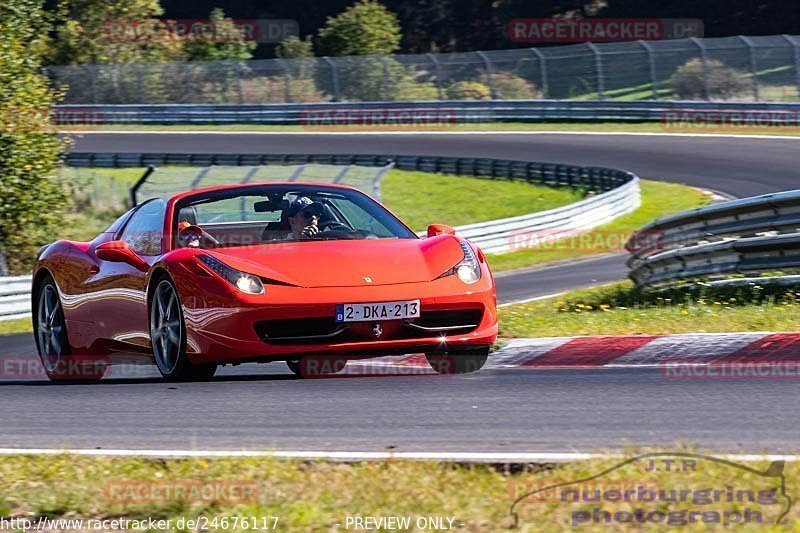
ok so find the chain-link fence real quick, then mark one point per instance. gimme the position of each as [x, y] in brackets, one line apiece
[765, 68]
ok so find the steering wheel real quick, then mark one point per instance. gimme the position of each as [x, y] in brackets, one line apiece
[334, 225]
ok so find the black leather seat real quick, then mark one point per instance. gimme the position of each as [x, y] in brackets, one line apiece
[276, 231]
[188, 214]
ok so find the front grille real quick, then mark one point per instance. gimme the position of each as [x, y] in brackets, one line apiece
[326, 329]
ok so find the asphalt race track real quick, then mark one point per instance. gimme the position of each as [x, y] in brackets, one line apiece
[737, 166]
[262, 406]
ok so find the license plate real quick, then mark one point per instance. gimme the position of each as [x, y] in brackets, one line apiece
[377, 311]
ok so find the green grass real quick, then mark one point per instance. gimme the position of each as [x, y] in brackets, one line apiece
[319, 496]
[19, 325]
[658, 199]
[620, 309]
[420, 198]
[632, 127]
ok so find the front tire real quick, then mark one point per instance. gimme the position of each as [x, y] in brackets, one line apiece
[52, 341]
[459, 361]
[168, 337]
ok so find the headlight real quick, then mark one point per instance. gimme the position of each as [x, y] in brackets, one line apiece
[468, 269]
[247, 283]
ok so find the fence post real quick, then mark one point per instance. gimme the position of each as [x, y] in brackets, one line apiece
[139, 82]
[753, 71]
[287, 91]
[92, 82]
[187, 75]
[334, 78]
[488, 65]
[704, 61]
[598, 66]
[239, 91]
[651, 59]
[95, 199]
[542, 70]
[796, 50]
[386, 78]
[438, 67]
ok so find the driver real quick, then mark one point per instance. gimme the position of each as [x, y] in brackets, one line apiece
[303, 216]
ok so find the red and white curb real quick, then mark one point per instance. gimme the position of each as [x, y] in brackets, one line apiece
[623, 351]
[649, 350]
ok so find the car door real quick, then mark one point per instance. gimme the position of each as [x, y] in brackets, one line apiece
[120, 312]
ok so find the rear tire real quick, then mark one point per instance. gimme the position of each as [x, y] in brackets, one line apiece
[459, 361]
[52, 341]
[168, 336]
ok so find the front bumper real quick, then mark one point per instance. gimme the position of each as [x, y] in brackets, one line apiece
[220, 332]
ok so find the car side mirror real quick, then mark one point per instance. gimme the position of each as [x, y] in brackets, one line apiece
[440, 229]
[120, 252]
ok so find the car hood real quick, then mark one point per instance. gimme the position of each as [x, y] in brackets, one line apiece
[346, 263]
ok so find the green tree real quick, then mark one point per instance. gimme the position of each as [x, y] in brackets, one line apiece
[295, 48]
[365, 28]
[113, 31]
[228, 42]
[32, 199]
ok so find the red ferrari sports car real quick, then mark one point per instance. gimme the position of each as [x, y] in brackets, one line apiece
[310, 274]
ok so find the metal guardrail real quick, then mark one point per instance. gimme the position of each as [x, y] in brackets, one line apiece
[15, 297]
[547, 226]
[751, 237]
[437, 114]
[594, 178]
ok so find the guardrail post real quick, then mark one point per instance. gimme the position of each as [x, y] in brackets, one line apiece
[386, 78]
[334, 78]
[438, 67]
[651, 59]
[488, 65]
[753, 71]
[542, 70]
[704, 61]
[3, 264]
[598, 66]
[796, 50]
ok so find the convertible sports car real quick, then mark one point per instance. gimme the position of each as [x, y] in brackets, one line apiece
[310, 274]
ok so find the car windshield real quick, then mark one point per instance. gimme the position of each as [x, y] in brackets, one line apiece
[271, 214]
